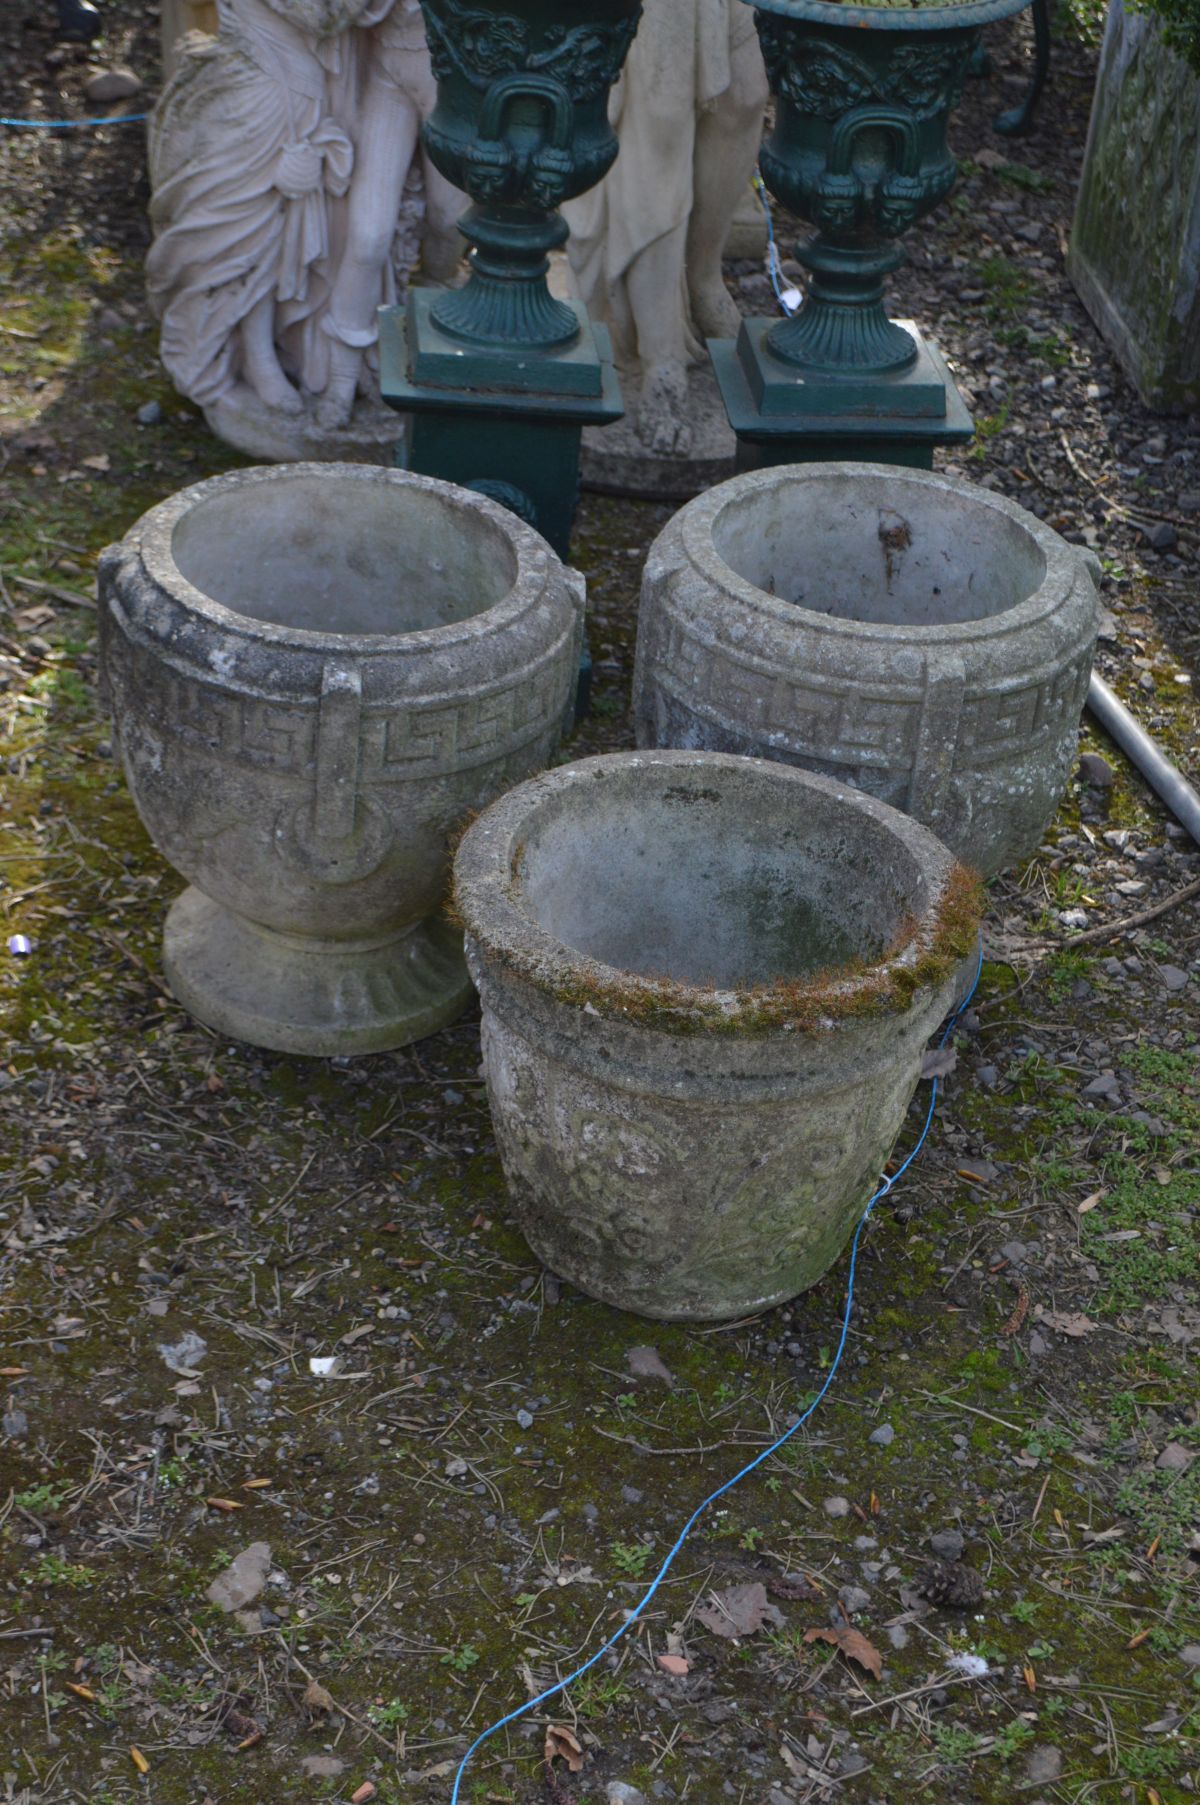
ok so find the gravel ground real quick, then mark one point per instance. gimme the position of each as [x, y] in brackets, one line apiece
[973, 1577]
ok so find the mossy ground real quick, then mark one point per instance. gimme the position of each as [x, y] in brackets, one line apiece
[436, 1556]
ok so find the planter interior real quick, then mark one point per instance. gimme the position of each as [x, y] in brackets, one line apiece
[317, 555]
[880, 550]
[679, 880]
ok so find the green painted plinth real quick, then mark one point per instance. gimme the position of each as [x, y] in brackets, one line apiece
[784, 415]
[507, 423]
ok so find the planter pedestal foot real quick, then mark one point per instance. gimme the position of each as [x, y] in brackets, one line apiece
[785, 416]
[317, 997]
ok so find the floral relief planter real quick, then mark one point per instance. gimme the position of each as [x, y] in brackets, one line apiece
[316, 673]
[706, 984]
[919, 637]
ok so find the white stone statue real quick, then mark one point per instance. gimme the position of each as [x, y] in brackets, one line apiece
[646, 244]
[399, 94]
[285, 177]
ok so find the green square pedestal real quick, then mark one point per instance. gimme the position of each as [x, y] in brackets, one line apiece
[782, 416]
[504, 422]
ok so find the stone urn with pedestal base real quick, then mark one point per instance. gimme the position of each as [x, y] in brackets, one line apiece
[706, 985]
[918, 637]
[317, 673]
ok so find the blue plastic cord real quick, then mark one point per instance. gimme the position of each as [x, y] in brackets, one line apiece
[634, 1615]
[70, 125]
[774, 263]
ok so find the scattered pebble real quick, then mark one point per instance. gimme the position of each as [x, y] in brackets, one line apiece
[107, 85]
[1172, 977]
[1043, 1764]
[883, 1437]
[150, 414]
[948, 1544]
[837, 1507]
[1175, 1458]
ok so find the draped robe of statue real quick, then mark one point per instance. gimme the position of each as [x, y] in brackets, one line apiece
[244, 162]
[646, 243]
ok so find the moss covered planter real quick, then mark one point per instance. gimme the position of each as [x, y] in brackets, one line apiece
[316, 673]
[706, 985]
[914, 635]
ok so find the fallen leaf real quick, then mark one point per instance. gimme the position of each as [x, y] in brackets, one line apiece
[248, 1742]
[139, 1760]
[674, 1664]
[224, 1504]
[1068, 1322]
[353, 1335]
[562, 1745]
[101, 462]
[316, 1699]
[1030, 1677]
[739, 1611]
[938, 1062]
[646, 1363]
[1136, 1641]
[255, 1485]
[87, 1693]
[1089, 1203]
[13, 1372]
[364, 1793]
[853, 1645]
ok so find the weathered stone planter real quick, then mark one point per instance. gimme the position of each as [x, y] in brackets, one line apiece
[1134, 255]
[921, 638]
[706, 984]
[316, 673]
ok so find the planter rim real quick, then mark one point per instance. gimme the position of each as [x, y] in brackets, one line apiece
[890, 18]
[489, 904]
[153, 533]
[1063, 564]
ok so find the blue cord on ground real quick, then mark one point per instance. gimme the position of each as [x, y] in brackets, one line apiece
[70, 125]
[656, 1582]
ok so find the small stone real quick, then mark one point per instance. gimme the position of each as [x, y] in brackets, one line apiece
[322, 1767]
[1175, 1458]
[1172, 977]
[631, 1494]
[618, 1793]
[1189, 502]
[1160, 536]
[854, 1599]
[1096, 770]
[1107, 1085]
[1190, 1654]
[111, 84]
[883, 1437]
[897, 1635]
[837, 1507]
[1015, 1252]
[15, 1424]
[150, 414]
[1043, 1764]
[241, 1583]
[988, 1076]
[524, 1419]
[947, 1544]
[1038, 1345]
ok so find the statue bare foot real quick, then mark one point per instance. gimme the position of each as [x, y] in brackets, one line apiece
[275, 391]
[661, 423]
[714, 310]
[337, 403]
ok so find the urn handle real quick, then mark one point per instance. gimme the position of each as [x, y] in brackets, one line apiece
[499, 167]
[901, 192]
[340, 835]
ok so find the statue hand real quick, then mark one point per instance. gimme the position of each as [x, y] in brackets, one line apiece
[298, 170]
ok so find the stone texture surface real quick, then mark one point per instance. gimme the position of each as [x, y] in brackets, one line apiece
[907, 632]
[243, 1580]
[316, 673]
[1134, 255]
[690, 1162]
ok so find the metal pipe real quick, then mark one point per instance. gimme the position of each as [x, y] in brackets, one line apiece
[1166, 779]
